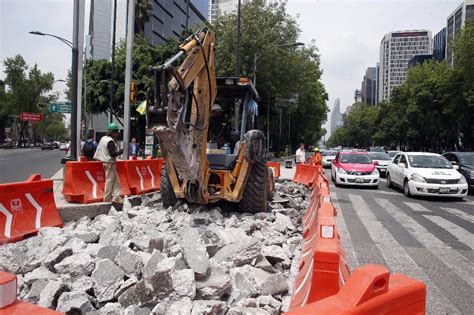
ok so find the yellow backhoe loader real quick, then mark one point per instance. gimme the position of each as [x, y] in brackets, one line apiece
[188, 124]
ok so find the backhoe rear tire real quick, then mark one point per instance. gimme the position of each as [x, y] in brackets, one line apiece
[166, 188]
[256, 191]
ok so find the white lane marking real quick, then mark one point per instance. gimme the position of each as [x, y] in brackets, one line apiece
[459, 213]
[461, 234]
[152, 177]
[344, 234]
[94, 184]
[417, 207]
[39, 210]
[451, 257]
[397, 258]
[141, 178]
[8, 221]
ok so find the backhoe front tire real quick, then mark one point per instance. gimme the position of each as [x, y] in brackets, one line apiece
[256, 191]
[166, 188]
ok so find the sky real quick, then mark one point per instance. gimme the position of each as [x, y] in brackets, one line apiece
[347, 34]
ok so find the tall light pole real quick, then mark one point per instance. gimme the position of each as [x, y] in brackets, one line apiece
[237, 59]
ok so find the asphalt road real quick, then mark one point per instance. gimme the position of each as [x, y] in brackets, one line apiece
[19, 164]
[425, 238]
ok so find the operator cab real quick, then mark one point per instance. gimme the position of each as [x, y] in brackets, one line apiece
[225, 135]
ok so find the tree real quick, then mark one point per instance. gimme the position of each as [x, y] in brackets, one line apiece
[143, 11]
[26, 87]
[282, 71]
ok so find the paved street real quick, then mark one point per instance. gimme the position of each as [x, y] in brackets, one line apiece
[428, 239]
[18, 164]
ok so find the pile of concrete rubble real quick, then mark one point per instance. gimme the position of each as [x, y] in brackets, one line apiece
[187, 260]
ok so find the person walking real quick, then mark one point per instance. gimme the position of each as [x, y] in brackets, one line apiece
[133, 149]
[107, 152]
[300, 154]
[89, 147]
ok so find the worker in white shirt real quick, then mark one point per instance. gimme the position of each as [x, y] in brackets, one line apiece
[300, 154]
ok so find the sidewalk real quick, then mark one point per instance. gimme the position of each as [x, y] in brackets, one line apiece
[74, 211]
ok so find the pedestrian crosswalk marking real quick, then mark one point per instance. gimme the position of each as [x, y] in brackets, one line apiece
[417, 207]
[397, 258]
[452, 258]
[461, 234]
[459, 213]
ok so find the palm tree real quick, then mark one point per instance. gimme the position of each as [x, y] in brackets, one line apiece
[143, 11]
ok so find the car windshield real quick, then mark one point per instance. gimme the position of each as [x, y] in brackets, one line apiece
[467, 158]
[376, 149]
[379, 156]
[392, 153]
[428, 161]
[329, 153]
[355, 158]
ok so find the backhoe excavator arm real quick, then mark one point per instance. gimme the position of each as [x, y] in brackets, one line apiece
[180, 111]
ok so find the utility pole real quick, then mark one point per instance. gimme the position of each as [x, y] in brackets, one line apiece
[128, 77]
[112, 76]
[237, 62]
[80, 65]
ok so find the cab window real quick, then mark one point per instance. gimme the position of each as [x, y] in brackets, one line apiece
[396, 158]
[403, 160]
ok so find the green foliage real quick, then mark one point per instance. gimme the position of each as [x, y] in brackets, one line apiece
[267, 32]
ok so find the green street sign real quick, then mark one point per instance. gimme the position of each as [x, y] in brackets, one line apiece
[60, 107]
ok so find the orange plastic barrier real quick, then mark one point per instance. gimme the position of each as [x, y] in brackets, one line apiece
[372, 290]
[275, 166]
[142, 175]
[323, 267]
[306, 174]
[8, 302]
[84, 181]
[25, 207]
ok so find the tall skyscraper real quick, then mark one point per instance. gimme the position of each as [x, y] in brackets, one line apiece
[396, 50]
[455, 22]
[221, 7]
[336, 116]
[439, 45]
[169, 19]
[369, 86]
[357, 96]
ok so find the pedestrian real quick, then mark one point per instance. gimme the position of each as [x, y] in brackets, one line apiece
[89, 147]
[107, 152]
[300, 154]
[133, 148]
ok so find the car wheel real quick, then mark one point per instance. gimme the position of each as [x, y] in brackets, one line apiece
[406, 188]
[389, 182]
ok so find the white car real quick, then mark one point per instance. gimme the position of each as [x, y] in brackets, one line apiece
[425, 174]
[328, 157]
[382, 159]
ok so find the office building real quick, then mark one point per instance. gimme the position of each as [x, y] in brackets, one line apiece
[396, 50]
[169, 19]
[419, 59]
[357, 96]
[336, 116]
[369, 86]
[439, 45]
[221, 7]
[455, 22]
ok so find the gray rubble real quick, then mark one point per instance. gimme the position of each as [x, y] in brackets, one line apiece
[147, 259]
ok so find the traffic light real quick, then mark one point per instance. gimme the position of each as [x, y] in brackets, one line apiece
[133, 98]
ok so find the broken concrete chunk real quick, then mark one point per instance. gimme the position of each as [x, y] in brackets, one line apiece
[109, 252]
[200, 219]
[56, 256]
[34, 295]
[184, 283]
[283, 223]
[107, 279]
[183, 306]
[216, 285]
[195, 252]
[52, 291]
[274, 284]
[110, 309]
[130, 262]
[135, 310]
[239, 253]
[205, 307]
[262, 263]
[125, 285]
[37, 274]
[150, 268]
[274, 254]
[247, 311]
[74, 302]
[76, 244]
[76, 265]
[83, 284]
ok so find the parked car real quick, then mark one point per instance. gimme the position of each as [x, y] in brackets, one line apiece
[382, 159]
[63, 146]
[328, 157]
[425, 174]
[47, 146]
[392, 153]
[8, 143]
[354, 168]
[55, 145]
[465, 163]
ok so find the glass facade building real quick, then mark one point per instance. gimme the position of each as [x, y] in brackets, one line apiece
[439, 45]
[396, 50]
[464, 12]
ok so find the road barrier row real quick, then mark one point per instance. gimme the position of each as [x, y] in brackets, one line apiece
[84, 181]
[25, 207]
[324, 284]
[9, 303]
